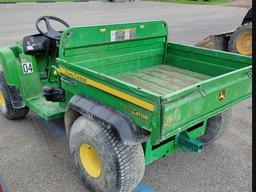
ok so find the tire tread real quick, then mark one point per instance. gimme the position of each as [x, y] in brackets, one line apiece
[130, 162]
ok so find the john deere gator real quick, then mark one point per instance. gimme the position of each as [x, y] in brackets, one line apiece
[127, 95]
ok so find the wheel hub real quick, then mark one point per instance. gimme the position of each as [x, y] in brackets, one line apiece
[90, 160]
[244, 44]
[2, 100]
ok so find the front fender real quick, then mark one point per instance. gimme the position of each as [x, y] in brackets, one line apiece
[8, 59]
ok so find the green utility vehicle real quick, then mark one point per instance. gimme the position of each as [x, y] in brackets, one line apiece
[128, 96]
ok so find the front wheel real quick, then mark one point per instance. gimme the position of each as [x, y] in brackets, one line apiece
[6, 107]
[105, 164]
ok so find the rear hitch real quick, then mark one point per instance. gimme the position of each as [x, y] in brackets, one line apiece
[188, 144]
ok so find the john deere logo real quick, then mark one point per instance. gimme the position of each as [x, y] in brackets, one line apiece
[222, 95]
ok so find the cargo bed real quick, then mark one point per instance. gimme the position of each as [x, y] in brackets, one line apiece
[164, 86]
[162, 79]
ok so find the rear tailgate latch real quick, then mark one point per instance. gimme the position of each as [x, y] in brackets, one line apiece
[201, 91]
[249, 74]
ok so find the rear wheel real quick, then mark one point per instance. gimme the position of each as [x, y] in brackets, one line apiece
[6, 107]
[241, 40]
[215, 126]
[105, 164]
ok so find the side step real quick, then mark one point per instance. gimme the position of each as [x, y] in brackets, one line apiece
[45, 109]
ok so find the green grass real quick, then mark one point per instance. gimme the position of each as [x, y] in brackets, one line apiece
[201, 2]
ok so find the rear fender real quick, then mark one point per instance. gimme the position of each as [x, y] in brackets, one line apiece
[123, 125]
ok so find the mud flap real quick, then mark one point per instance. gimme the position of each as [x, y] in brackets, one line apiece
[16, 99]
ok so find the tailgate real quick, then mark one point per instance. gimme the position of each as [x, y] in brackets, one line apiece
[197, 103]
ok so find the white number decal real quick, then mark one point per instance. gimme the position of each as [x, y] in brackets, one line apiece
[27, 67]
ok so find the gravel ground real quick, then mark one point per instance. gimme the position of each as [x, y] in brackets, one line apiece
[33, 158]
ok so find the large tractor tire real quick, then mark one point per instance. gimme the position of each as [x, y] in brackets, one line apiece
[105, 164]
[241, 40]
[215, 126]
[6, 107]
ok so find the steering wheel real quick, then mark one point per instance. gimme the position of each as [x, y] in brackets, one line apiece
[51, 33]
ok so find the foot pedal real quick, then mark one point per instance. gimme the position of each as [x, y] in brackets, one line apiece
[54, 94]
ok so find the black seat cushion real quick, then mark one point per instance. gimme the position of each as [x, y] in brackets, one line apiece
[36, 45]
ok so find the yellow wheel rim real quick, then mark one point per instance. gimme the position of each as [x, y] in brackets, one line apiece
[90, 160]
[2, 100]
[244, 43]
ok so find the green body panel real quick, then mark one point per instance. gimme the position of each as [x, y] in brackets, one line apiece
[166, 88]
[12, 58]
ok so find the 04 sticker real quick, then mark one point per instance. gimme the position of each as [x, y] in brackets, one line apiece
[27, 67]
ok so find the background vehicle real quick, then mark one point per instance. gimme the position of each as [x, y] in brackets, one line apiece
[239, 41]
[128, 96]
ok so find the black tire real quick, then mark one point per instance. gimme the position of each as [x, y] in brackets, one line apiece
[234, 39]
[7, 109]
[122, 166]
[215, 126]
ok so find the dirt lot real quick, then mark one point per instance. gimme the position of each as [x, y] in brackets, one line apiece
[34, 155]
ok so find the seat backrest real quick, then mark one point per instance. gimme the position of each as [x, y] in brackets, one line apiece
[101, 47]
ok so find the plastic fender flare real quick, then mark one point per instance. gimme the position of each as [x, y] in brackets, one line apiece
[128, 132]
[6, 57]
[8, 60]
[248, 17]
